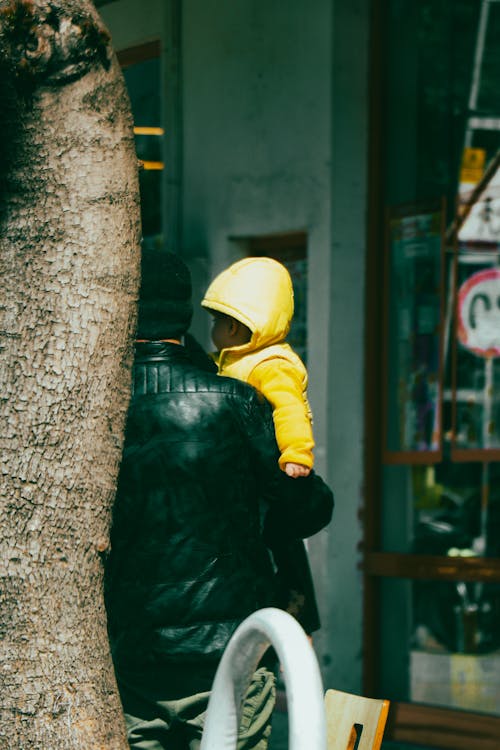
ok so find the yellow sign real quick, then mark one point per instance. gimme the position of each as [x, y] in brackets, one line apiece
[472, 167]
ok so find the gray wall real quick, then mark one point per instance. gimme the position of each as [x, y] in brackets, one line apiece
[273, 111]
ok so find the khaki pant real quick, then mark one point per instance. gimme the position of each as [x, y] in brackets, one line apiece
[154, 723]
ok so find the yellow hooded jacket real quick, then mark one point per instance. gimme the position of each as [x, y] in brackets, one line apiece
[259, 293]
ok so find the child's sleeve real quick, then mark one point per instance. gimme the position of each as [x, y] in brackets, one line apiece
[280, 382]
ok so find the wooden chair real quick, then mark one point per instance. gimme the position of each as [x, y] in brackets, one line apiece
[354, 722]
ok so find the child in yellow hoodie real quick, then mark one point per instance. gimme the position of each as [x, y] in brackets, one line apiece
[252, 307]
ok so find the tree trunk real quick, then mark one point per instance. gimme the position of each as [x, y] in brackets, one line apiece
[69, 264]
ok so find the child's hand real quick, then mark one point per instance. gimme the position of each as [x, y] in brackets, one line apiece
[297, 470]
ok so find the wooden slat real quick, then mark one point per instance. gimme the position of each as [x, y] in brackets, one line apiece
[432, 567]
[444, 728]
[346, 713]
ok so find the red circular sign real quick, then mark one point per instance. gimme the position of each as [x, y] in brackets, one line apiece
[479, 313]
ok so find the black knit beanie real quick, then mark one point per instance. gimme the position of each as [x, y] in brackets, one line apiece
[165, 306]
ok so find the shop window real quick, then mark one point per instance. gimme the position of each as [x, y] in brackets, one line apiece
[433, 566]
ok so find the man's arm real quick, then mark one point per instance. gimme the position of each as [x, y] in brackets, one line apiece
[299, 509]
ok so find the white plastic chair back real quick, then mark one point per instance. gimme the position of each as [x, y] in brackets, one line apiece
[304, 687]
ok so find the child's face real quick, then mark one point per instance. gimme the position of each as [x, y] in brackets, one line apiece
[222, 332]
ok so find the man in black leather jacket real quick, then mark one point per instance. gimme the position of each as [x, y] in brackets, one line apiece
[188, 558]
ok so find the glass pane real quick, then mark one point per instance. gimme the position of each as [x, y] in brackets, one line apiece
[487, 100]
[414, 257]
[440, 641]
[143, 84]
[441, 644]
[447, 508]
[429, 62]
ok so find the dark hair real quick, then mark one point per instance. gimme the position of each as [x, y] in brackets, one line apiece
[165, 305]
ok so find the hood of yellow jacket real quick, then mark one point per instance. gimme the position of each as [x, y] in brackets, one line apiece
[259, 293]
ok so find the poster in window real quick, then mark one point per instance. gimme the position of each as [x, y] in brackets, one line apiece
[413, 334]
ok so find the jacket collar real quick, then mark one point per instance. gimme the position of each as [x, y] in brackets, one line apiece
[156, 351]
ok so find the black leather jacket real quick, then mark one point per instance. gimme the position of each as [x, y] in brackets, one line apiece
[188, 562]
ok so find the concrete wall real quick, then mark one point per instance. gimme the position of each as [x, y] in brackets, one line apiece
[273, 106]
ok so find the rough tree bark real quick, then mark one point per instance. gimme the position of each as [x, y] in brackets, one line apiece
[69, 252]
